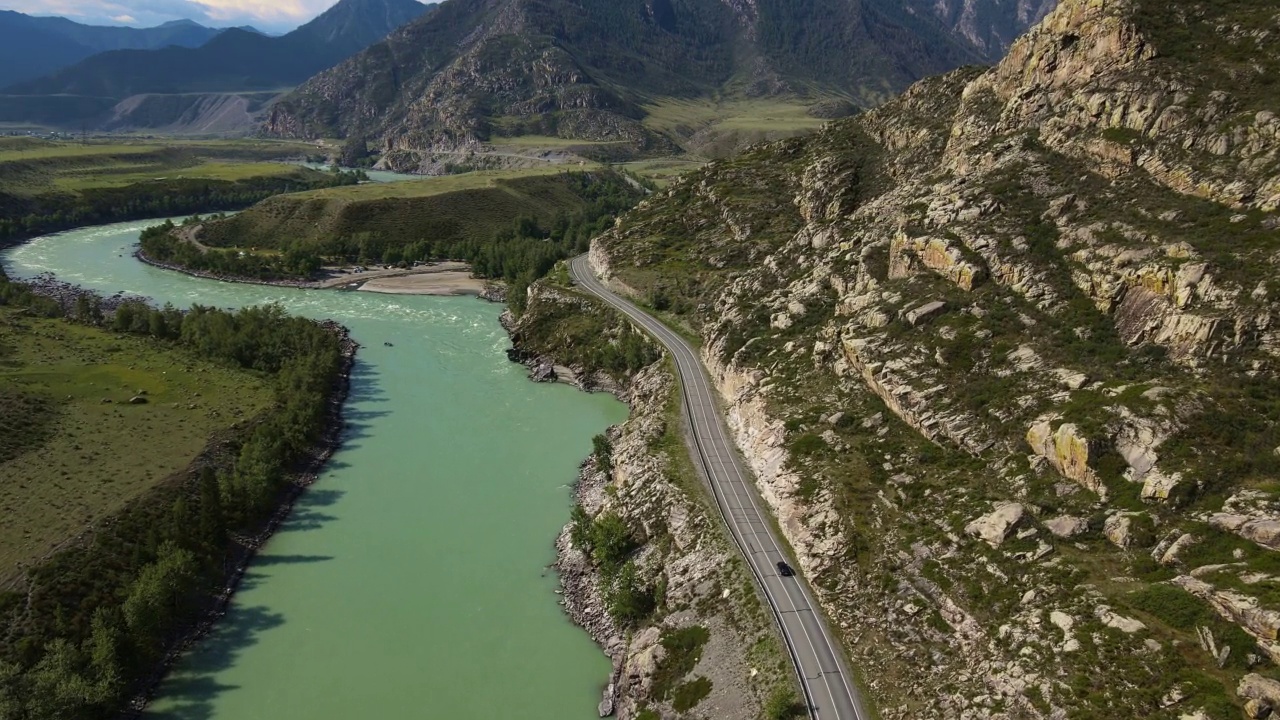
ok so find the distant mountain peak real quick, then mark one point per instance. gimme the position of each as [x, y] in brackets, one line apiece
[583, 68]
[234, 60]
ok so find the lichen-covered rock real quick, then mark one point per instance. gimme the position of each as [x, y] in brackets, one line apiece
[995, 526]
[1068, 451]
[1066, 526]
[1263, 695]
[1264, 531]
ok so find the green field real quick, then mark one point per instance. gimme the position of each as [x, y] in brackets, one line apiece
[547, 141]
[428, 187]
[663, 170]
[90, 458]
[717, 129]
[30, 166]
[472, 206]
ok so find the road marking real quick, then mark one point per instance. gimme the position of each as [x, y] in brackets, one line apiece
[699, 416]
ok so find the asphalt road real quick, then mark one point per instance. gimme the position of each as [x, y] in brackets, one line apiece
[828, 686]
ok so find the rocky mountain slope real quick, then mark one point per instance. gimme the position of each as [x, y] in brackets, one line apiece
[34, 46]
[990, 25]
[645, 567]
[1003, 357]
[480, 69]
[235, 61]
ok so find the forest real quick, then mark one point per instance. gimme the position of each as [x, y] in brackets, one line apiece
[96, 620]
[23, 216]
[519, 254]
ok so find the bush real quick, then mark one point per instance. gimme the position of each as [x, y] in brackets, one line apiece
[1174, 606]
[690, 694]
[684, 650]
[783, 705]
[627, 599]
[611, 543]
[602, 450]
[808, 445]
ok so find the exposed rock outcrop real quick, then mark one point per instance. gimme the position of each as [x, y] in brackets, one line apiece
[678, 545]
[1048, 285]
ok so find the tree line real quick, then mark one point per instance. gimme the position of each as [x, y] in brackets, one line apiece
[99, 617]
[23, 217]
[518, 254]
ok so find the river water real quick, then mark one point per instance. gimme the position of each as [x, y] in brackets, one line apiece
[411, 580]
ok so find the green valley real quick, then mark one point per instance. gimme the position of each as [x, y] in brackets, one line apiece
[46, 186]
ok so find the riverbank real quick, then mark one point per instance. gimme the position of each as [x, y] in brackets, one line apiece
[247, 547]
[234, 551]
[680, 620]
[353, 545]
[442, 279]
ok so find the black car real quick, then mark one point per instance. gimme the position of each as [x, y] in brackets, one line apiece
[784, 569]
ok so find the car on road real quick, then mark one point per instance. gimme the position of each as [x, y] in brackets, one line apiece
[784, 569]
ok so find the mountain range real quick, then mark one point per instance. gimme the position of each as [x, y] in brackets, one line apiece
[586, 69]
[236, 60]
[34, 46]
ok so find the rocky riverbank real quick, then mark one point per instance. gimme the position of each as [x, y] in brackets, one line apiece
[220, 277]
[67, 295]
[397, 282]
[701, 592]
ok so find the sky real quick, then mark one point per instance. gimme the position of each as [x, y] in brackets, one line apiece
[269, 15]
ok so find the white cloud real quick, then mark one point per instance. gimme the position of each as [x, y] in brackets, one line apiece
[267, 14]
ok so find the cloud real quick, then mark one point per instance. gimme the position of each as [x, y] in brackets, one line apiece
[267, 14]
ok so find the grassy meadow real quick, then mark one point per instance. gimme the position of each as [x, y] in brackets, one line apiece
[432, 186]
[720, 128]
[69, 458]
[32, 166]
[470, 206]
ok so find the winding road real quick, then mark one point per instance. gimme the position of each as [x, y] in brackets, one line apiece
[828, 686]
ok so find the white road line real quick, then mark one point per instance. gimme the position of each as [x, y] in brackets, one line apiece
[706, 423]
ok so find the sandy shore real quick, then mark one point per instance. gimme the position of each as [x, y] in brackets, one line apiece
[450, 278]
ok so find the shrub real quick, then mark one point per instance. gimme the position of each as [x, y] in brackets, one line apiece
[690, 694]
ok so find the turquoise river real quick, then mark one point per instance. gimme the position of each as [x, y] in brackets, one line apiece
[412, 580]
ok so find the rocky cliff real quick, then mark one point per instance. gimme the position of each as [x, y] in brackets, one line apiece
[1001, 353]
[645, 567]
[990, 25]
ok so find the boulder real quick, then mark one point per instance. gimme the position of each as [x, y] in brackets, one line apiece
[608, 704]
[995, 526]
[1068, 451]
[1262, 694]
[1264, 531]
[138, 400]
[1120, 529]
[543, 372]
[1119, 622]
[1066, 526]
[1158, 486]
[924, 313]
[1169, 555]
